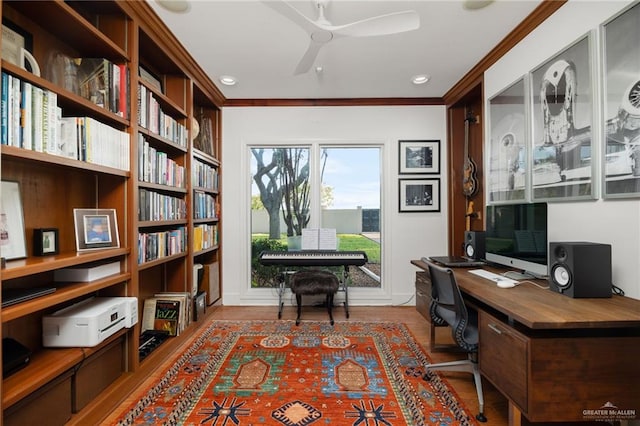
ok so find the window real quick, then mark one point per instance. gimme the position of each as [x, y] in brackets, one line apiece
[286, 197]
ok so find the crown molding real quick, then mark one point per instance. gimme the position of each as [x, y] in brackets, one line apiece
[476, 75]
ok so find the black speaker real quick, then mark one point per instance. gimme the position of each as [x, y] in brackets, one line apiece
[474, 245]
[580, 269]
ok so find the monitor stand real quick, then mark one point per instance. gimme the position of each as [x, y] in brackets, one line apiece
[518, 276]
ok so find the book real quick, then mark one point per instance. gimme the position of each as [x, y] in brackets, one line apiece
[167, 315]
[4, 110]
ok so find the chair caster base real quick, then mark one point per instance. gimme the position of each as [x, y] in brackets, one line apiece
[481, 418]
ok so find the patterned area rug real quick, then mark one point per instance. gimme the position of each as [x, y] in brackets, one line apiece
[277, 373]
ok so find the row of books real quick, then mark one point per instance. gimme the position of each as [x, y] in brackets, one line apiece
[152, 118]
[205, 176]
[87, 139]
[31, 119]
[29, 116]
[104, 83]
[169, 311]
[204, 206]
[156, 206]
[156, 167]
[205, 236]
[156, 245]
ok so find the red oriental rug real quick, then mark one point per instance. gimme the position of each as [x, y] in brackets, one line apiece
[277, 373]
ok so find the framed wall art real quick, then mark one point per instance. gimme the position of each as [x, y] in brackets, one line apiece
[419, 195]
[507, 162]
[96, 229]
[621, 71]
[13, 244]
[562, 102]
[419, 157]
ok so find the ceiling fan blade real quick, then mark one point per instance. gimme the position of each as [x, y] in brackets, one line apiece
[293, 14]
[392, 23]
[309, 58]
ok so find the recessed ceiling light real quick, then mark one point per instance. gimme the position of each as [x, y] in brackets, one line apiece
[228, 80]
[175, 6]
[476, 4]
[420, 79]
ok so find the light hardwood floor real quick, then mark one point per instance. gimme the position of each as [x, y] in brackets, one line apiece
[496, 408]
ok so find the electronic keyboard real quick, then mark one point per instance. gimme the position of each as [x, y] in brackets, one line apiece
[313, 258]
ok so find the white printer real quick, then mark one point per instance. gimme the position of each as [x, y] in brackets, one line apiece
[89, 322]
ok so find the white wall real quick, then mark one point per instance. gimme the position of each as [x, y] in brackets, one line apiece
[406, 236]
[615, 222]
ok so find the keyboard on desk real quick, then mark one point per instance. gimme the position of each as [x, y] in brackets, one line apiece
[313, 258]
[496, 278]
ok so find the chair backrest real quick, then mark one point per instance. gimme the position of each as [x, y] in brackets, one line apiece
[448, 306]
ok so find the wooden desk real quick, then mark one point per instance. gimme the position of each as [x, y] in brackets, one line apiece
[556, 358]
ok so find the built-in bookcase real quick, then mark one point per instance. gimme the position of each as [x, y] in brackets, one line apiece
[140, 161]
[206, 197]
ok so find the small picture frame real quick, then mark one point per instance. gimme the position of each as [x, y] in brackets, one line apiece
[45, 241]
[419, 195]
[96, 229]
[419, 157]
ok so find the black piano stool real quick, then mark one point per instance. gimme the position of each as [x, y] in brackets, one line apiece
[312, 281]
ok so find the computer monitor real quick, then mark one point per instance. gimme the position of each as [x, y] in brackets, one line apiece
[516, 236]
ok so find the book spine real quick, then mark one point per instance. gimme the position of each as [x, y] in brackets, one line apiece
[27, 106]
[4, 124]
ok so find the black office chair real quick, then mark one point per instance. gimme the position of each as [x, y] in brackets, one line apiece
[448, 308]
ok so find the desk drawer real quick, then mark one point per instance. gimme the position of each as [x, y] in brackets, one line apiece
[423, 294]
[503, 358]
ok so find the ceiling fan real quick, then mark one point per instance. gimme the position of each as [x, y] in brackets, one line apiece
[321, 31]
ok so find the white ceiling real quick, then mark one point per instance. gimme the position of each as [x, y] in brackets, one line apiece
[261, 48]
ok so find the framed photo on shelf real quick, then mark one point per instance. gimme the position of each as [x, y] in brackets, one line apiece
[419, 195]
[13, 243]
[507, 166]
[45, 241]
[419, 157]
[562, 92]
[621, 76]
[96, 229]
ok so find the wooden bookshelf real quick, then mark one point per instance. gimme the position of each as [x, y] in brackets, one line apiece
[126, 35]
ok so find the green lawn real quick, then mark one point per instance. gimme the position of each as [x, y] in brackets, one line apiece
[348, 242]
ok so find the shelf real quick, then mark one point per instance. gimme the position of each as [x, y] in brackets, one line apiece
[67, 24]
[63, 293]
[205, 251]
[159, 139]
[205, 157]
[161, 261]
[207, 190]
[44, 366]
[206, 220]
[35, 265]
[163, 188]
[41, 157]
[161, 223]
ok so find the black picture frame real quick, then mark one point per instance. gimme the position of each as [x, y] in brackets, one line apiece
[419, 195]
[46, 241]
[418, 157]
[96, 229]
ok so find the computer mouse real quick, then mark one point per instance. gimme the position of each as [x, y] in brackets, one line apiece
[506, 284]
